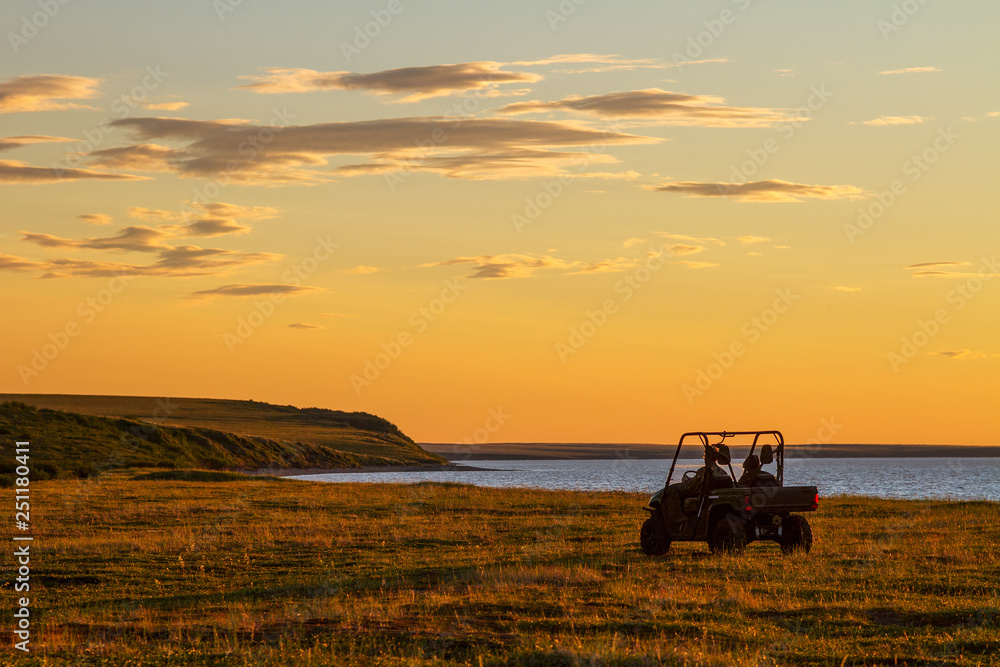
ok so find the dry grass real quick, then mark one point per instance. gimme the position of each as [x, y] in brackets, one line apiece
[268, 572]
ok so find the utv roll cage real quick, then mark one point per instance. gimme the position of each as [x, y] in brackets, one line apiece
[719, 451]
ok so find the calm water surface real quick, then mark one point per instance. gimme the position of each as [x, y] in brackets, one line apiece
[960, 478]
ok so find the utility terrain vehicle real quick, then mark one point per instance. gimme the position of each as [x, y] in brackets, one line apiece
[711, 505]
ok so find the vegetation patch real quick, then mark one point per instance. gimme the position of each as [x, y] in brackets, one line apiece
[67, 444]
[291, 572]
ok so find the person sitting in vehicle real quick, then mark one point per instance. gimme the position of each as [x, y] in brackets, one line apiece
[720, 479]
[755, 475]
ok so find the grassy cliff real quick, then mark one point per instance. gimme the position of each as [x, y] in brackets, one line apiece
[84, 444]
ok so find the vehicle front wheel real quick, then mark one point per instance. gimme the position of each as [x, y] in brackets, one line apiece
[653, 538]
[796, 535]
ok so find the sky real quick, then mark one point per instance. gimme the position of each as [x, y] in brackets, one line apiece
[575, 221]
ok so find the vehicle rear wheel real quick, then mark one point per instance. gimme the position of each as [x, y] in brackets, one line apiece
[728, 538]
[796, 535]
[653, 538]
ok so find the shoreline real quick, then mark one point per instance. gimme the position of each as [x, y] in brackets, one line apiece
[527, 451]
[295, 472]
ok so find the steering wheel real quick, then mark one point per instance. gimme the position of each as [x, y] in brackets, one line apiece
[688, 476]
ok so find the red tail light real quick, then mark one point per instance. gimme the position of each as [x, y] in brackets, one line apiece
[816, 501]
[746, 502]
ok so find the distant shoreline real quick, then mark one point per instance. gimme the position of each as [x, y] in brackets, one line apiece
[524, 451]
[295, 472]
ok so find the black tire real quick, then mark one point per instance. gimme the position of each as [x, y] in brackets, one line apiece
[796, 535]
[653, 538]
[728, 538]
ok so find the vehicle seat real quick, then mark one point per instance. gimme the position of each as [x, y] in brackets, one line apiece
[720, 482]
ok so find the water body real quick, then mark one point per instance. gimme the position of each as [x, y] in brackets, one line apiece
[956, 478]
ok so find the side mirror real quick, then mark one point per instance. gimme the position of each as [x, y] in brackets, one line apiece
[724, 456]
[766, 455]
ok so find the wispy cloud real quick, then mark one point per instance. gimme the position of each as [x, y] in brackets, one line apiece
[912, 70]
[946, 270]
[477, 148]
[666, 107]
[883, 121]
[180, 261]
[752, 240]
[133, 239]
[762, 191]
[10, 143]
[510, 265]
[243, 290]
[934, 265]
[15, 171]
[45, 92]
[218, 219]
[681, 249]
[416, 83]
[962, 354]
[361, 270]
[95, 218]
[845, 288]
[696, 265]
[514, 265]
[304, 325]
[701, 240]
[629, 243]
[165, 106]
[204, 220]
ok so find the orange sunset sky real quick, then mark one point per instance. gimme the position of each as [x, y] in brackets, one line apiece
[608, 222]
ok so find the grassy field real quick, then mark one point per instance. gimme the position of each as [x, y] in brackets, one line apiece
[276, 572]
[357, 433]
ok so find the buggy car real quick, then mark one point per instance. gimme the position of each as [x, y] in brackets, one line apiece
[712, 505]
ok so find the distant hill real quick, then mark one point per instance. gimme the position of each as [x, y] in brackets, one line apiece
[68, 431]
